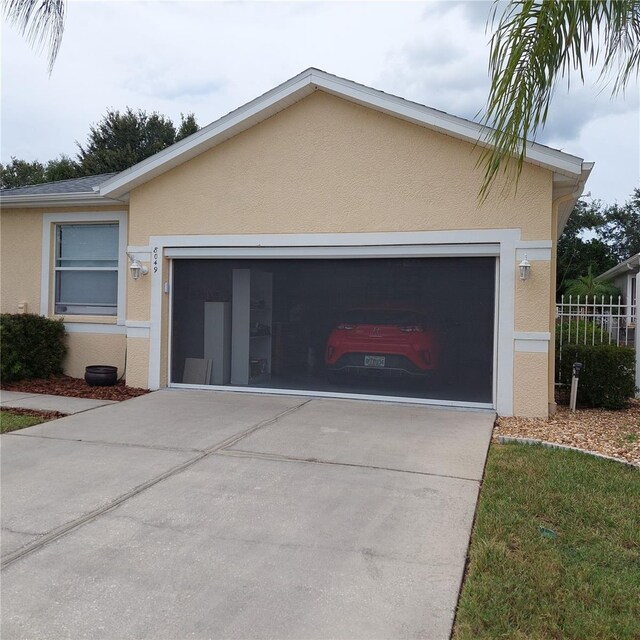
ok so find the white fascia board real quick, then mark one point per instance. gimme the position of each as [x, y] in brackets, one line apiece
[56, 200]
[301, 86]
[628, 266]
[209, 136]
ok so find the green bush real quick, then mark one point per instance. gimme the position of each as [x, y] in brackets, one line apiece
[607, 378]
[31, 346]
[594, 332]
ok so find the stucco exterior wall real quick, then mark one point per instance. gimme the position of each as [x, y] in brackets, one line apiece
[138, 362]
[323, 165]
[328, 165]
[532, 297]
[530, 385]
[94, 348]
[20, 259]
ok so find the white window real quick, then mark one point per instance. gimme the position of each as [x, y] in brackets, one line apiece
[86, 268]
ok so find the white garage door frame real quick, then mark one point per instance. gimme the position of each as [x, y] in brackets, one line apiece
[503, 244]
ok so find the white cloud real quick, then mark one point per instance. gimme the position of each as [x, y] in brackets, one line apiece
[210, 58]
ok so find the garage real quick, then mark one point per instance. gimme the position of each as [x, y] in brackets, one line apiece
[406, 327]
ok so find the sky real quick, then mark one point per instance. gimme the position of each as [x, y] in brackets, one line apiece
[211, 57]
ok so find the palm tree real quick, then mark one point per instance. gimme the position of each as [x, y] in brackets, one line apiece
[588, 287]
[535, 43]
[40, 21]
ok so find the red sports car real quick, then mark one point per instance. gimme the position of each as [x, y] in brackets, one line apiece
[382, 342]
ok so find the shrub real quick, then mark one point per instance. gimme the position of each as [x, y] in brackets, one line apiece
[607, 378]
[569, 329]
[31, 346]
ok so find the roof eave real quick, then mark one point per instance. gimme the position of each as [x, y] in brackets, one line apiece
[301, 86]
[627, 266]
[88, 198]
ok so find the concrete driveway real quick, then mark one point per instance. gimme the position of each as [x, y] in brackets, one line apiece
[196, 514]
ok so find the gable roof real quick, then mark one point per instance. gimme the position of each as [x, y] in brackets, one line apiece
[82, 190]
[568, 169]
[85, 184]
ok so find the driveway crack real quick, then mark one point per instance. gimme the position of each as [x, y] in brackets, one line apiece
[66, 528]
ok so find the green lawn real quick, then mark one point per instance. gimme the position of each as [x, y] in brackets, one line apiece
[555, 551]
[10, 421]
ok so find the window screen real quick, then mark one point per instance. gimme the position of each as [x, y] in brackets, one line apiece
[86, 269]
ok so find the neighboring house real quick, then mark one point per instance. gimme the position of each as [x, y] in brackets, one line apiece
[321, 208]
[625, 277]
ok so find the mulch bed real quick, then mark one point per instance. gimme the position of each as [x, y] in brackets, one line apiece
[612, 433]
[74, 388]
[45, 415]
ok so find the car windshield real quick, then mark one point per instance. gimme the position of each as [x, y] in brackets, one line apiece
[401, 317]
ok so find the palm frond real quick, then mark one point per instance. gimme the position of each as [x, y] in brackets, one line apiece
[534, 45]
[41, 22]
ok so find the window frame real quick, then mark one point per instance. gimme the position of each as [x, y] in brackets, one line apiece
[50, 224]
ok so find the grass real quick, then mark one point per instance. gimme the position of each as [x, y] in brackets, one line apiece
[555, 551]
[12, 421]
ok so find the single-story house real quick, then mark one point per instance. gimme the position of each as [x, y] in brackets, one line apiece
[325, 238]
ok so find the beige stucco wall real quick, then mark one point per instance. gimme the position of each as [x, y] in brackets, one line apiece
[323, 165]
[532, 297]
[138, 362]
[93, 348]
[328, 165]
[20, 280]
[530, 384]
[20, 259]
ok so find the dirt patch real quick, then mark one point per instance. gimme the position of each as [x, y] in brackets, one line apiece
[612, 433]
[45, 415]
[74, 388]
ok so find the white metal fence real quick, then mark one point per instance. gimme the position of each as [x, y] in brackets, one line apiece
[592, 320]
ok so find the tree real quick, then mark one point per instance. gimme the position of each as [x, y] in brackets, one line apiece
[535, 43]
[120, 140]
[19, 173]
[62, 168]
[586, 287]
[622, 227]
[40, 21]
[580, 247]
[596, 238]
[188, 125]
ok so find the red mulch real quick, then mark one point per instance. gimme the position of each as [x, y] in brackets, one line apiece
[45, 415]
[74, 388]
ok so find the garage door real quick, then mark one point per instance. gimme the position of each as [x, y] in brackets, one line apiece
[402, 327]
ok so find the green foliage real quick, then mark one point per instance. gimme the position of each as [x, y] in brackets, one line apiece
[537, 42]
[19, 173]
[607, 378]
[188, 125]
[588, 288]
[583, 329]
[62, 168]
[31, 346]
[121, 139]
[622, 227]
[597, 237]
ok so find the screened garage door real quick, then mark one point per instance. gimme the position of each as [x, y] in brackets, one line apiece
[402, 327]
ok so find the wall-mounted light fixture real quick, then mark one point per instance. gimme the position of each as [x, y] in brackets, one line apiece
[137, 268]
[525, 268]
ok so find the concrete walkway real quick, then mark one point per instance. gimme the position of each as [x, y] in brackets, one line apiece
[219, 515]
[46, 402]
